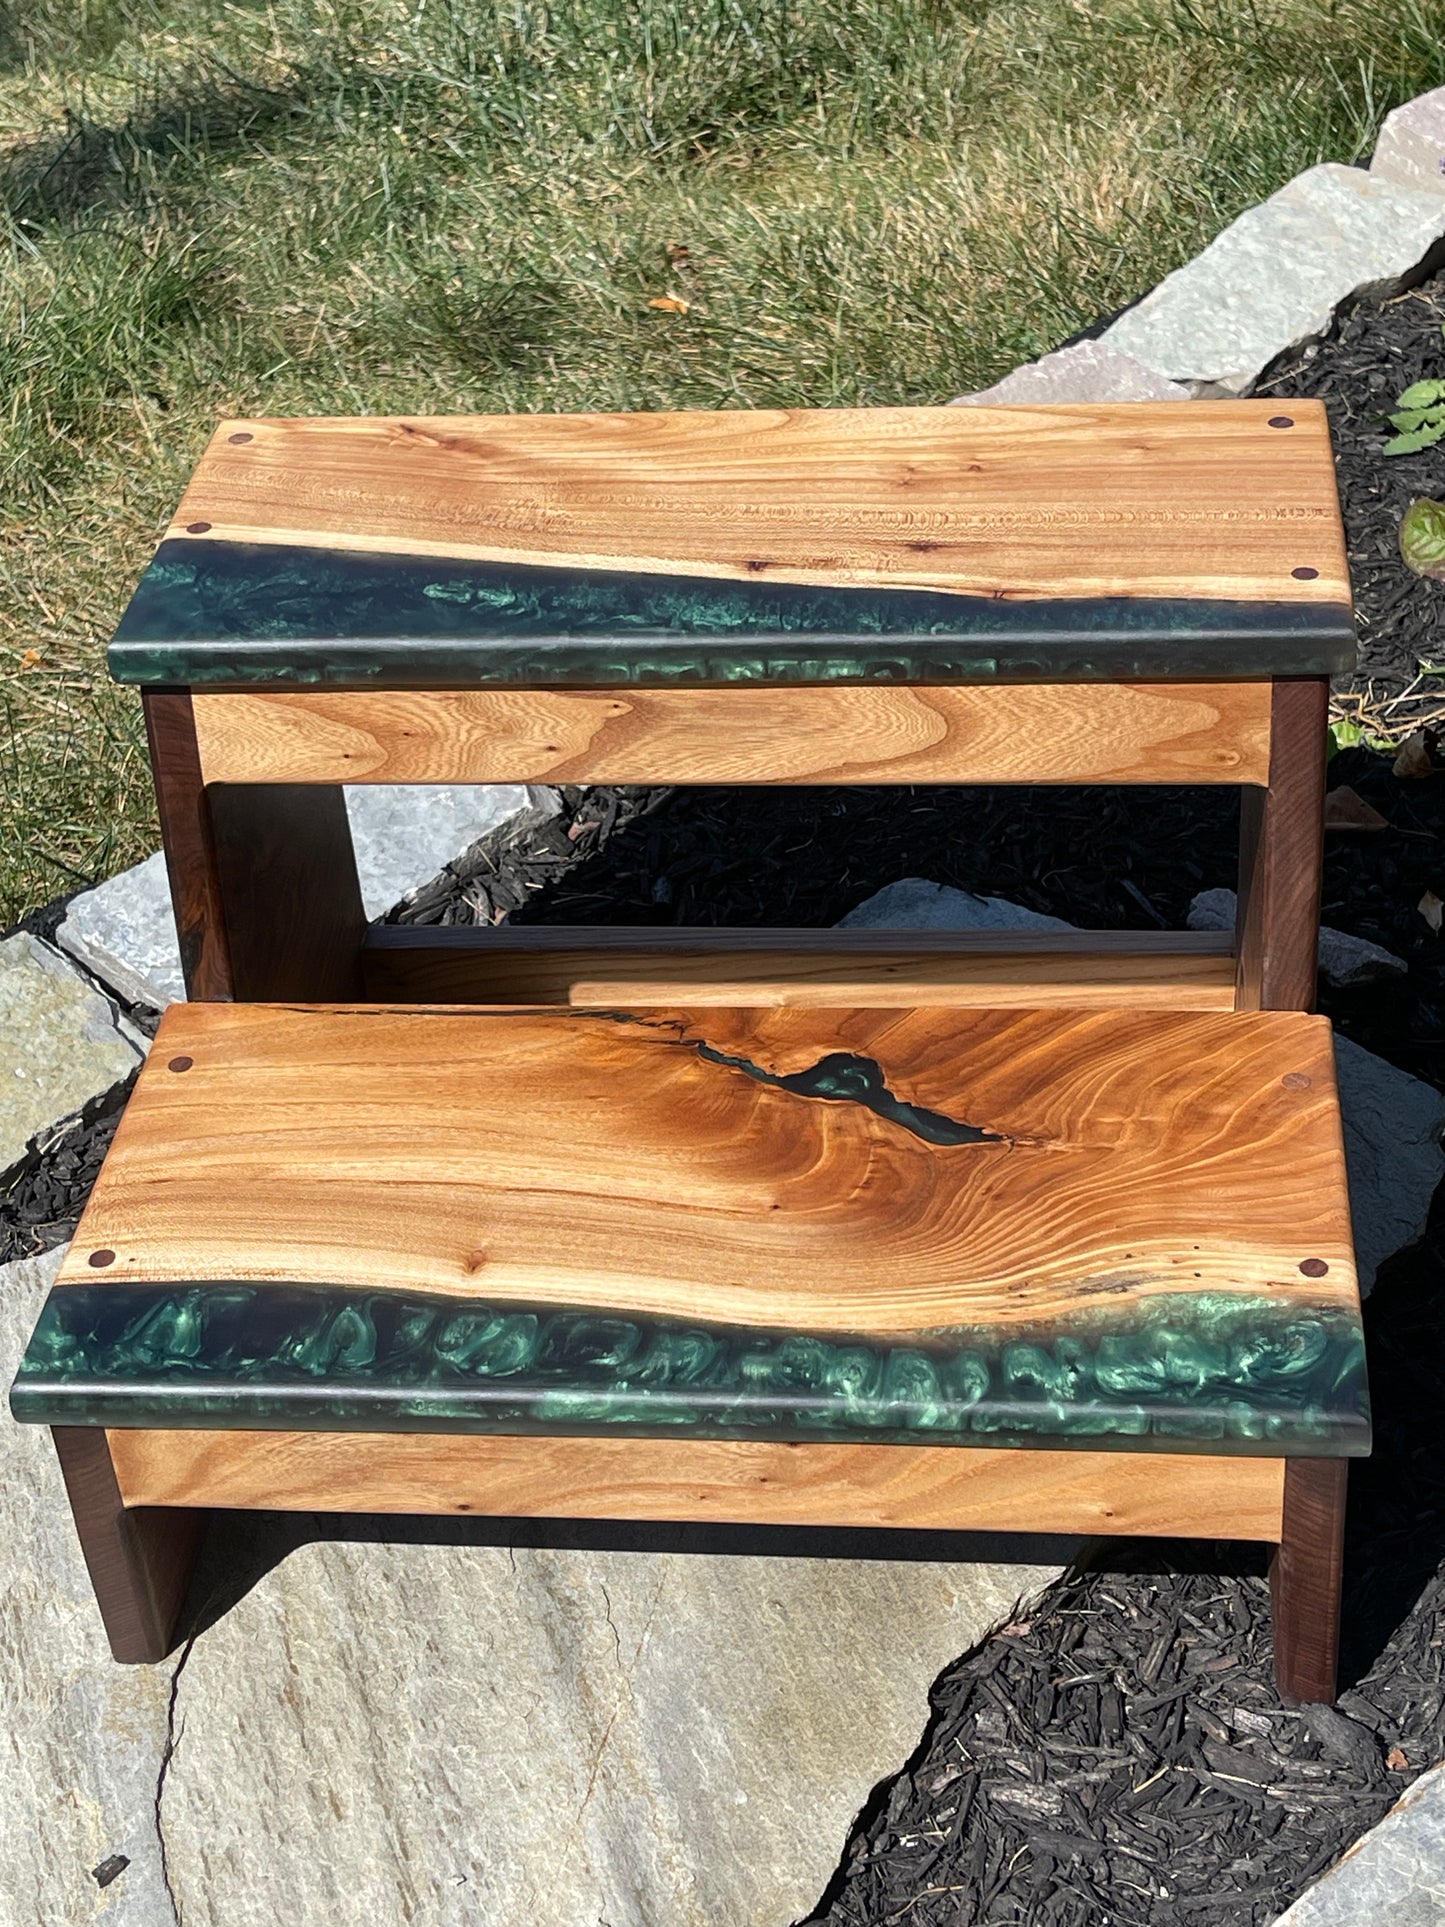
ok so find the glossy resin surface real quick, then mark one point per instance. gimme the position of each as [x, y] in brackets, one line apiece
[1235, 1374]
[243, 613]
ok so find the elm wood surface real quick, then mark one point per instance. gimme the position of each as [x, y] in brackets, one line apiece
[759, 1482]
[1027, 733]
[967, 1225]
[459, 964]
[840, 525]
[139, 1556]
[1281, 850]
[1305, 1577]
[1138, 499]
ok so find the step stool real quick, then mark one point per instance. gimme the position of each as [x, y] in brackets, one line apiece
[1042, 1232]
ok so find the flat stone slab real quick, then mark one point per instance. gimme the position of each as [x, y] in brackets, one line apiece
[1395, 1874]
[1393, 1122]
[1087, 371]
[455, 1733]
[1275, 276]
[84, 1739]
[60, 1043]
[459, 1734]
[1411, 147]
[124, 931]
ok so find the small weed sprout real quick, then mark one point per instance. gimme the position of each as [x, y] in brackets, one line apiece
[1420, 418]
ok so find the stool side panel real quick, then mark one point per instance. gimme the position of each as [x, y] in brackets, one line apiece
[715, 1481]
[1207, 732]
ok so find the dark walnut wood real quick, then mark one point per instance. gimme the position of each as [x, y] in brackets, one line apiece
[1305, 1577]
[139, 1560]
[1281, 836]
[189, 839]
[287, 878]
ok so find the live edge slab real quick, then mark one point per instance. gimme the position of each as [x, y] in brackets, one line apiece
[887, 545]
[1043, 1228]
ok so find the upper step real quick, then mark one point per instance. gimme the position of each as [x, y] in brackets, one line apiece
[1133, 541]
[966, 1227]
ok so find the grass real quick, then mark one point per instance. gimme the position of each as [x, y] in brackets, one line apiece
[407, 205]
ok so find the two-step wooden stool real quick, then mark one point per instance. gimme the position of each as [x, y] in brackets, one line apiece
[814, 1227]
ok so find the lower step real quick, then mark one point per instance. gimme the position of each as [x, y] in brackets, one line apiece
[1126, 1230]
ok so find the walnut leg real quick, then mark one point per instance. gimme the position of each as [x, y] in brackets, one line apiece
[1281, 839]
[263, 876]
[139, 1561]
[1304, 1580]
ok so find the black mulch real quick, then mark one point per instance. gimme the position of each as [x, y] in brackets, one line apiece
[1370, 354]
[41, 1201]
[1122, 1756]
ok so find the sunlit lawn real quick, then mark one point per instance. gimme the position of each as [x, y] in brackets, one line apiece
[438, 206]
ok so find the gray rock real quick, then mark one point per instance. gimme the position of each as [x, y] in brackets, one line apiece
[1393, 1125]
[1345, 961]
[1394, 1874]
[83, 1739]
[1275, 276]
[456, 1734]
[1088, 371]
[915, 904]
[1393, 1122]
[404, 834]
[60, 1043]
[124, 930]
[1411, 147]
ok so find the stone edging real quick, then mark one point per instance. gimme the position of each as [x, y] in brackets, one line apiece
[1271, 282]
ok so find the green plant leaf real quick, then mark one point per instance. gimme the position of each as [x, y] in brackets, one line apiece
[1409, 419]
[1422, 538]
[1415, 439]
[1422, 394]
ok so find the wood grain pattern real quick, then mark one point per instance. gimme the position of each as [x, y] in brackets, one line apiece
[1305, 1577]
[856, 733]
[656, 1163]
[187, 833]
[1280, 846]
[589, 965]
[289, 891]
[139, 1561]
[711, 1480]
[1194, 500]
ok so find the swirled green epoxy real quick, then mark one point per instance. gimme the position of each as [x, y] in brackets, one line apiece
[1233, 1374]
[236, 612]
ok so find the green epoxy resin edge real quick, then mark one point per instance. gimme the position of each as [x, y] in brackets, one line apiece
[1183, 1372]
[245, 613]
